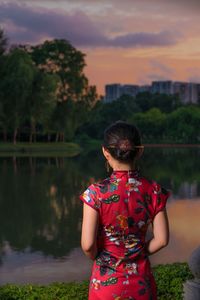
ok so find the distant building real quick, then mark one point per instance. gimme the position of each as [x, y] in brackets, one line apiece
[162, 87]
[129, 89]
[116, 90]
[181, 89]
[194, 92]
[145, 88]
[112, 92]
[188, 92]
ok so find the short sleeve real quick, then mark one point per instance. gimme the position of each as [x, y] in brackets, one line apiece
[90, 197]
[159, 198]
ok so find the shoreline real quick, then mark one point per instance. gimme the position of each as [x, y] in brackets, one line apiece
[170, 145]
[68, 149]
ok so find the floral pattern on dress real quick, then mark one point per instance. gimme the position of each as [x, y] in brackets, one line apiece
[133, 185]
[127, 203]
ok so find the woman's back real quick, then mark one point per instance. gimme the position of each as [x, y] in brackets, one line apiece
[116, 215]
[127, 204]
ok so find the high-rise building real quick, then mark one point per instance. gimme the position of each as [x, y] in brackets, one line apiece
[181, 89]
[112, 92]
[116, 90]
[188, 92]
[162, 87]
[145, 88]
[194, 92]
[129, 89]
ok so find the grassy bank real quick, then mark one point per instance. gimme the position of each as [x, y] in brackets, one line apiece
[65, 149]
[40, 149]
[169, 279]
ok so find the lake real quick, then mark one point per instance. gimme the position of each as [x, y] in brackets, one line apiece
[40, 212]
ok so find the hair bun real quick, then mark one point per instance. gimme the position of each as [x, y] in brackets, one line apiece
[124, 155]
[121, 139]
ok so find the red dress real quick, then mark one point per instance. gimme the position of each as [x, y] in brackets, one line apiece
[127, 204]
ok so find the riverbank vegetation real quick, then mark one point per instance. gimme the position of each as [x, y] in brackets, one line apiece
[169, 279]
[40, 149]
[175, 123]
[46, 97]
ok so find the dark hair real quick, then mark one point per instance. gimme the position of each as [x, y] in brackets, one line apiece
[122, 140]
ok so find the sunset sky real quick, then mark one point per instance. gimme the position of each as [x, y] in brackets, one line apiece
[129, 41]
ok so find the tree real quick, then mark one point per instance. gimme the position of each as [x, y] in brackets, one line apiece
[184, 124]
[68, 116]
[42, 101]
[103, 114]
[3, 42]
[166, 103]
[61, 58]
[18, 75]
[3, 45]
[151, 123]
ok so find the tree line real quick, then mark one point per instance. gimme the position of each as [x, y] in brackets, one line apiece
[43, 91]
[160, 118]
[45, 96]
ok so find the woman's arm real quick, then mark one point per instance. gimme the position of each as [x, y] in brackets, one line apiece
[160, 233]
[89, 231]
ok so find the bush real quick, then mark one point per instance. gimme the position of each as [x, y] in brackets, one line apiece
[169, 280]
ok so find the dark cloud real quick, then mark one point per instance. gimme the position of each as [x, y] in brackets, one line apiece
[33, 23]
[163, 38]
[157, 4]
[25, 24]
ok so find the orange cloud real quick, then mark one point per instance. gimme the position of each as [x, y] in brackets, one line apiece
[128, 66]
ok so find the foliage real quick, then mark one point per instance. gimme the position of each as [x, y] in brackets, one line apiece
[151, 123]
[40, 149]
[43, 90]
[166, 103]
[42, 101]
[44, 93]
[103, 115]
[184, 124]
[18, 74]
[169, 279]
[73, 94]
[156, 126]
[60, 57]
[3, 42]
[56, 291]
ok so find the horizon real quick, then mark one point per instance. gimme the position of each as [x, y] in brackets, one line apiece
[134, 42]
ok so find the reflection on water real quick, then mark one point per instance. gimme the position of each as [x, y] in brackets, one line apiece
[185, 231]
[41, 215]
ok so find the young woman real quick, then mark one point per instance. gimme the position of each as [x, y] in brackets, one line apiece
[116, 215]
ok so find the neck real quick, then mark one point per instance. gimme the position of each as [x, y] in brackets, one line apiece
[123, 167]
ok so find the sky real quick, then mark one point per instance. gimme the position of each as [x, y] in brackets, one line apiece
[129, 41]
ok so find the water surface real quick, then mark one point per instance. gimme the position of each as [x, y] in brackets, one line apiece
[40, 213]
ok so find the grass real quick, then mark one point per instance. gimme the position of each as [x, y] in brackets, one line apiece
[40, 149]
[169, 280]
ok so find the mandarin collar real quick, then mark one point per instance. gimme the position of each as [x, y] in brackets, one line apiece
[121, 173]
